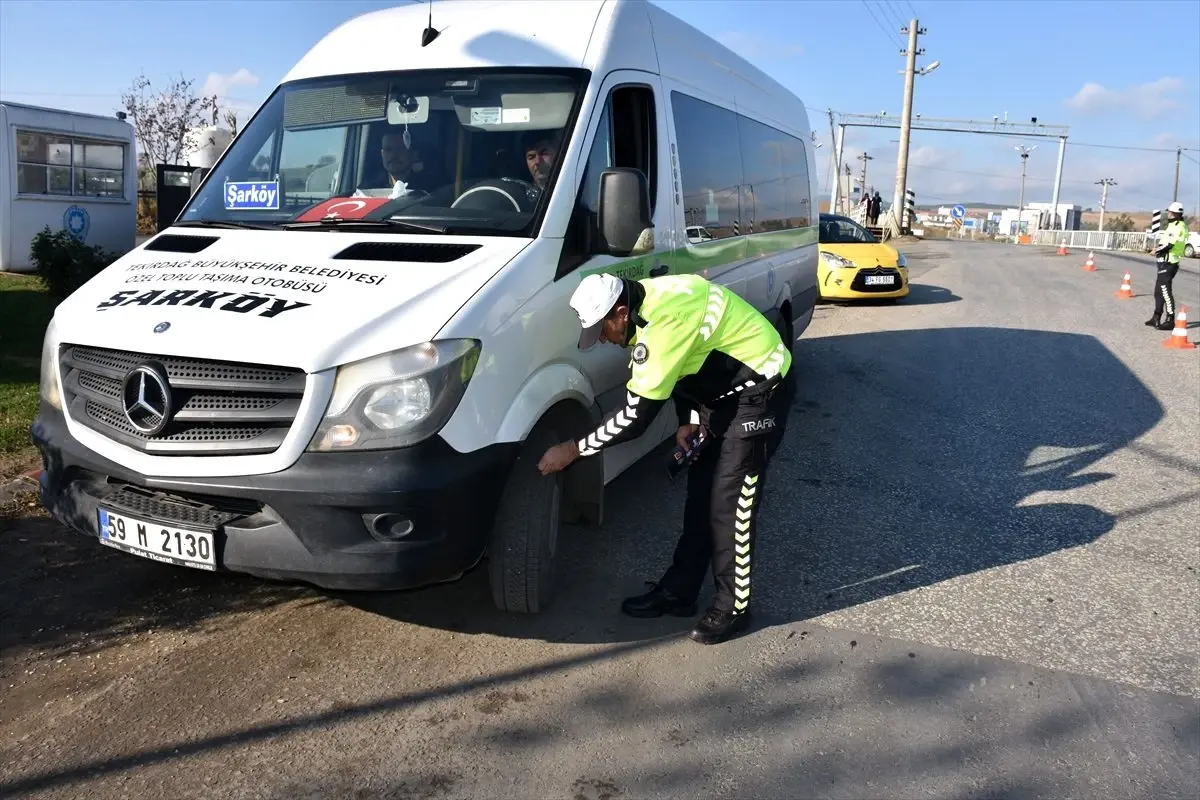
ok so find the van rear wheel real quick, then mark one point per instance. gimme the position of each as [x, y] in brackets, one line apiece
[524, 536]
[784, 327]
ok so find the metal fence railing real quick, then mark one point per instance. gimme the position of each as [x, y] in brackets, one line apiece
[1093, 240]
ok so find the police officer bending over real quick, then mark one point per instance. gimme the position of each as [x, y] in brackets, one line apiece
[1171, 245]
[710, 351]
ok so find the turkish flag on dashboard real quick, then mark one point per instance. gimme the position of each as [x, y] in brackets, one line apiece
[343, 208]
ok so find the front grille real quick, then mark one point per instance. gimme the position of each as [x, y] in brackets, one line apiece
[193, 511]
[220, 408]
[859, 284]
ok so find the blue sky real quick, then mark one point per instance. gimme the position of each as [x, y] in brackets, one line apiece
[1103, 68]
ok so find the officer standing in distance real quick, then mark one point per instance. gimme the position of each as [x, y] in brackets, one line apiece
[1172, 242]
[703, 346]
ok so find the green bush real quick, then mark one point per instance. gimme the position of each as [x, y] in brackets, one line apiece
[64, 263]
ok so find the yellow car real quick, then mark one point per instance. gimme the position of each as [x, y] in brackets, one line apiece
[855, 265]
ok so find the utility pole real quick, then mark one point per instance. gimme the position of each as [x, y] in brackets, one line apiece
[910, 76]
[1104, 183]
[863, 157]
[1024, 151]
[835, 192]
[1175, 194]
[1058, 173]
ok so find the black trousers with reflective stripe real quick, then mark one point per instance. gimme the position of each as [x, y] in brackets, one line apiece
[724, 494]
[1164, 297]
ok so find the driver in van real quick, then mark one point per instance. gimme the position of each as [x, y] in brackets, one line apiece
[725, 365]
[402, 166]
[540, 153]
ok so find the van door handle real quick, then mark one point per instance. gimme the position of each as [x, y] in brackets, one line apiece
[661, 269]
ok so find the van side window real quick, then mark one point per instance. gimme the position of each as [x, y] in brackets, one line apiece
[797, 190]
[762, 176]
[626, 136]
[740, 176]
[710, 165]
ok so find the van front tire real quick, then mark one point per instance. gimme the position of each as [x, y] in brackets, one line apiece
[524, 537]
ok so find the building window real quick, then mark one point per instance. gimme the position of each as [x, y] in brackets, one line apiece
[57, 164]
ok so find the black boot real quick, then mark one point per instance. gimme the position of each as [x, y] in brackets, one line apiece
[656, 602]
[1152, 322]
[1167, 324]
[717, 626]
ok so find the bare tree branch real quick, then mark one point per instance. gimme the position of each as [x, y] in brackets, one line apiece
[165, 122]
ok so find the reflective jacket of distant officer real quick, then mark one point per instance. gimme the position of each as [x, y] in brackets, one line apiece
[1172, 242]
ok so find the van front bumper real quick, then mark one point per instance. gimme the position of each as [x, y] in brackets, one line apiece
[382, 520]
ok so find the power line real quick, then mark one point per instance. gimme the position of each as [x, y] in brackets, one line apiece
[1189, 158]
[893, 17]
[1126, 147]
[886, 31]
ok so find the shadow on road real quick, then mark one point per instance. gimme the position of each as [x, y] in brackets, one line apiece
[908, 458]
[822, 718]
[61, 592]
[919, 294]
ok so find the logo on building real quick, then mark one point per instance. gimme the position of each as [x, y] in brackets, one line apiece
[77, 223]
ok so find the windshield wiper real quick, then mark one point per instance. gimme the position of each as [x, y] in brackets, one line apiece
[339, 223]
[224, 223]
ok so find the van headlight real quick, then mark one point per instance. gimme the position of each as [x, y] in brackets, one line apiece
[396, 399]
[48, 386]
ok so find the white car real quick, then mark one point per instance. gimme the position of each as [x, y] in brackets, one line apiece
[1191, 249]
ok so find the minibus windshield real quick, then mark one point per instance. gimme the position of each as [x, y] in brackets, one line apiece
[448, 151]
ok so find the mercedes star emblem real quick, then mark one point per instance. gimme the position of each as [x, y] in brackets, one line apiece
[146, 398]
[162, 326]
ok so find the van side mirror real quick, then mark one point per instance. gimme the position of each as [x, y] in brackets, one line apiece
[196, 177]
[624, 213]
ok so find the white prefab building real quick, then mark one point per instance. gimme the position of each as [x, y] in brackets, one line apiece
[64, 169]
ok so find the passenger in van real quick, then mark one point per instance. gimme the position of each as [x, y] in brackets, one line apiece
[703, 346]
[403, 172]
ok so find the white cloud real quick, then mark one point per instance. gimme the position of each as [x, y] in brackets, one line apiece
[751, 46]
[220, 84]
[223, 85]
[1147, 100]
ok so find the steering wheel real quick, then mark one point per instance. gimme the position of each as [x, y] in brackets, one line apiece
[498, 194]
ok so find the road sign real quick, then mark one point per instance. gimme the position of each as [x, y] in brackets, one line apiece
[958, 212]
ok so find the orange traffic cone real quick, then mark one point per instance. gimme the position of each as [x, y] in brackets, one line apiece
[1126, 288]
[1178, 339]
[1062, 248]
[1090, 264]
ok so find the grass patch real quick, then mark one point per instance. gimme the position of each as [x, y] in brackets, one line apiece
[25, 310]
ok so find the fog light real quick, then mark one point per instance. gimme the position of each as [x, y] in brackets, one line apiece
[388, 527]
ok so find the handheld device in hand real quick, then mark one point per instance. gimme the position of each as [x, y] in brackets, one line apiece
[681, 457]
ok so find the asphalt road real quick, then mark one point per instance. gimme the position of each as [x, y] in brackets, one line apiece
[977, 577]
